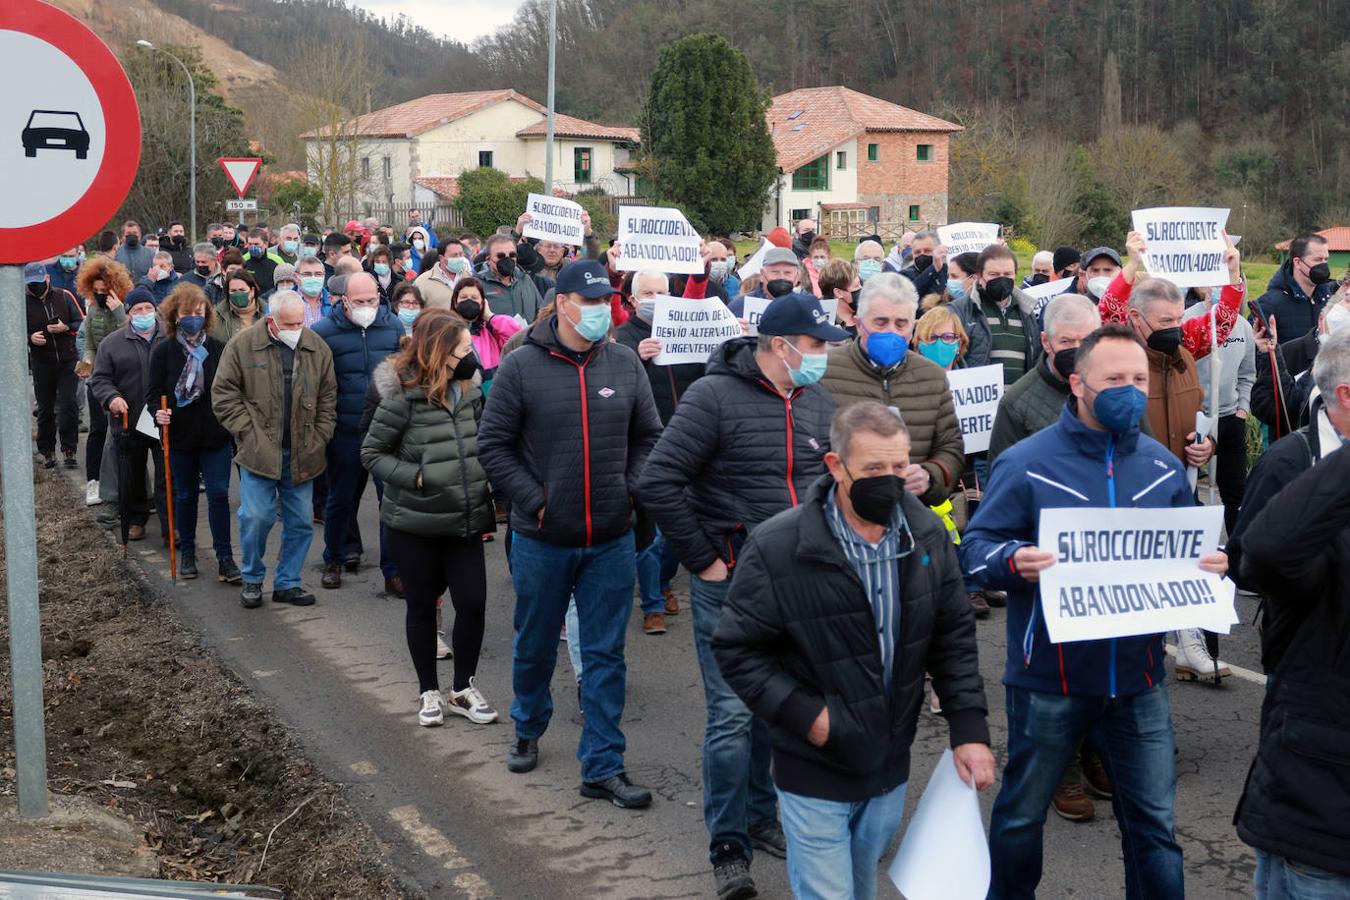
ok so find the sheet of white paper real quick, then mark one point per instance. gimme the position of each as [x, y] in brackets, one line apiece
[554, 219]
[975, 395]
[1184, 243]
[690, 330]
[752, 308]
[146, 424]
[944, 854]
[1049, 289]
[658, 239]
[1203, 424]
[968, 237]
[756, 261]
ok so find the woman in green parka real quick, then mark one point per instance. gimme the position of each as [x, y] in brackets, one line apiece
[422, 443]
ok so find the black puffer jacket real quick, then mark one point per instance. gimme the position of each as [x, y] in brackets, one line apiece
[1297, 551]
[668, 382]
[736, 453]
[409, 439]
[797, 635]
[568, 437]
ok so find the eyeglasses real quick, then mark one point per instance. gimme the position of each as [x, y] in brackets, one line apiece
[504, 256]
[947, 336]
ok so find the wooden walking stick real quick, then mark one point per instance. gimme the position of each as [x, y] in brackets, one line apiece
[168, 493]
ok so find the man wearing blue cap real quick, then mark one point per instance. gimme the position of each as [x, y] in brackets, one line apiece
[53, 319]
[745, 443]
[567, 432]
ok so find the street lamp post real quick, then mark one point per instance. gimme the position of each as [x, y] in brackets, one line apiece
[548, 137]
[192, 118]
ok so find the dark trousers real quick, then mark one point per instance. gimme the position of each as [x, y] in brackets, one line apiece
[138, 493]
[346, 483]
[98, 433]
[428, 566]
[1231, 456]
[213, 467]
[54, 384]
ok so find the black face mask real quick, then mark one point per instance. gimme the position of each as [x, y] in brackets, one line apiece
[806, 238]
[177, 241]
[1165, 340]
[1064, 360]
[922, 262]
[997, 290]
[204, 271]
[778, 287]
[37, 290]
[469, 310]
[874, 498]
[218, 242]
[466, 367]
[855, 295]
[506, 267]
[1320, 273]
[1039, 278]
[101, 299]
[132, 240]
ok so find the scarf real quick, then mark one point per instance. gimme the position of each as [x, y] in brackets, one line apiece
[189, 387]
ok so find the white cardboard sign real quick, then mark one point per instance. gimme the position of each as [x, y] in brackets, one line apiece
[944, 854]
[968, 237]
[690, 330]
[656, 239]
[752, 310]
[1049, 289]
[1184, 244]
[975, 394]
[1122, 572]
[554, 219]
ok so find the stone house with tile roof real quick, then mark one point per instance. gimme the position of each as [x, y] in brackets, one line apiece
[853, 161]
[413, 152]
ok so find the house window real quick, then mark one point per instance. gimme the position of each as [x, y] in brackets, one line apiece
[365, 167]
[872, 153]
[484, 159]
[841, 160]
[581, 165]
[925, 153]
[387, 165]
[799, 214]
[914, 212]
[874, 214]
[814, 176]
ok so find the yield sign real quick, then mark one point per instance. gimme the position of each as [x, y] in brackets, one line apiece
[240, 171]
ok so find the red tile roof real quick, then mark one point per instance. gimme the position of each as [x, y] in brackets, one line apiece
[423, 114]
[572, 127]
[442, 187]
[1338, 239]
[809, 122]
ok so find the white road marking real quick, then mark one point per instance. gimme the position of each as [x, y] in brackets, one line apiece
[1244, 674]
[438, 846]
[365, 767]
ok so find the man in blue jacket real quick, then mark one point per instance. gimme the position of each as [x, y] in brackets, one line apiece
[1093, 457]
[1299, 289]
[360, 333]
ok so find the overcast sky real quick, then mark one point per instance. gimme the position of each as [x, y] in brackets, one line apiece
[462, 20]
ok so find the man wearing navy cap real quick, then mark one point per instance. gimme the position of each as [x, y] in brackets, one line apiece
[569, 428]
[53, 318]
[745, 443]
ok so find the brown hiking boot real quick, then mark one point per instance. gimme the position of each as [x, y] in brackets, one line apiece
[654, 623]
[1071, 803]
[332, 575]
[979, 605]
[136, 533]
[503, 513]
[672, 602]
[1095, 779]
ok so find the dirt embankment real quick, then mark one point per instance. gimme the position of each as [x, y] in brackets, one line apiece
[144, 719]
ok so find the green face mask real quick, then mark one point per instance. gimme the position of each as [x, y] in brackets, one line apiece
[240, 299]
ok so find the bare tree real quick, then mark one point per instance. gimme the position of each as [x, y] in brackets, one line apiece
[339, 74]
[1052, 180]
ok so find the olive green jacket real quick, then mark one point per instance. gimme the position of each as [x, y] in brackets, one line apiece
[247, 399]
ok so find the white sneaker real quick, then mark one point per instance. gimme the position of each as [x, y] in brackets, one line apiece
[1193, 660]
[471, 705]
[91, 497]
[432, 712]
[443, 650]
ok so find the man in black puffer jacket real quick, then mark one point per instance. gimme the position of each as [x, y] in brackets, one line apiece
[744, 444]
[569, 426]
[837, 609]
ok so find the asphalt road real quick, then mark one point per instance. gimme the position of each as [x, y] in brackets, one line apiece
[462, 826]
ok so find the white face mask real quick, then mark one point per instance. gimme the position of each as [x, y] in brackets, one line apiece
[1097, 286]
[363, 316]
[289, 338]
[1338, 317]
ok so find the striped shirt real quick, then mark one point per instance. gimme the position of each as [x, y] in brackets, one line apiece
[1009, 343]
[878, 565]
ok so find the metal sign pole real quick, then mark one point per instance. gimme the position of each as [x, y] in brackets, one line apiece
[16, 467]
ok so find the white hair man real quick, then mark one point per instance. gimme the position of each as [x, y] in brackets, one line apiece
[287, 247]
[1042, 269]
[870, 257]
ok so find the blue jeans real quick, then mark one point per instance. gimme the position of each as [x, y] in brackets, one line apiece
[257, 512]
[834, 849]
[1278, 878]
[346, 483]
[670, 563]
[649, 576]
[601, 579]
[213, 466]
[737, 787]
[1134, 736]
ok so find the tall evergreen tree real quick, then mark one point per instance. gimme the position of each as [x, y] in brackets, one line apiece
[705, 134]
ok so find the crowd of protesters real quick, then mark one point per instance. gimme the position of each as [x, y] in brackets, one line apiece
[811, 479]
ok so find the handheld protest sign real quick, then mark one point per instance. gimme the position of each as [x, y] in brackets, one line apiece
[657, 239]
[975, 396]
[1184, 244]
[554, 219]
[1122, 572]
[968, 237]
[690, 330]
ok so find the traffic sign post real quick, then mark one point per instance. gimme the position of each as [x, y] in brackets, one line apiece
[70, 143]
[241, 172]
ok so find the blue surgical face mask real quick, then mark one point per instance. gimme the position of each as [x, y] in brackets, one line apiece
[289, 247]
[309, 250]
[192, 325]
[407, 316]
[867, 268]
[312, 285]
[886, 348]
[811, 370]
[457, 264]
[594, 322]
[940, 352]
[143, 323]
[1119, 409]
[67, 262]
[381, 269]
[1215, 294]
[255, 252]
[956, 289]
